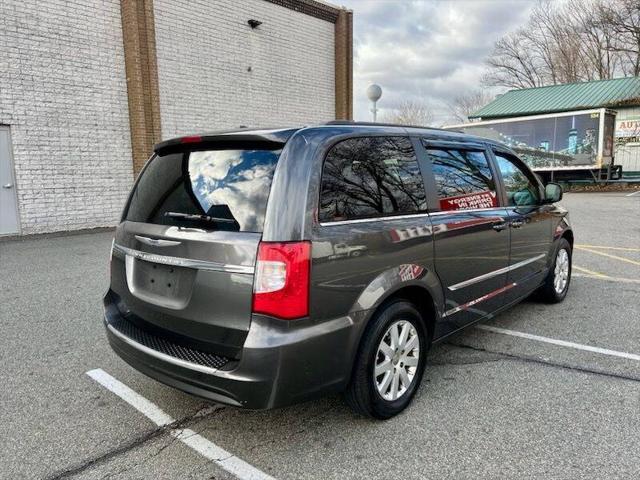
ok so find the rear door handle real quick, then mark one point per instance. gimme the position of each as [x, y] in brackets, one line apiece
[499, 226]
[157, 242]
[517, 223]
[7, 185]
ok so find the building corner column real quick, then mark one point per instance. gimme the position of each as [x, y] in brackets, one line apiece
[138, 34]
[344, 65]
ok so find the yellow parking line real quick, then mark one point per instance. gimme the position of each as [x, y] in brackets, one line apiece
[624, 249]
[601, 276]
[607, 278]
[590, 272]
[615, 257]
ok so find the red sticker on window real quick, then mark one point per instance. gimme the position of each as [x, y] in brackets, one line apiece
[486, 199]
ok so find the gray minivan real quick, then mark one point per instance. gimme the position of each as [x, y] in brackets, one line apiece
[259, 268]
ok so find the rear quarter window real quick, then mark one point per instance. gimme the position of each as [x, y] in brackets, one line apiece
[368, 177]
[210, 190]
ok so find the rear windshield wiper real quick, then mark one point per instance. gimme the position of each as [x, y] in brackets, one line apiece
[195, 216]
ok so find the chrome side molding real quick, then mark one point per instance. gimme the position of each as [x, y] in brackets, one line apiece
[468, 305]
[495, 273]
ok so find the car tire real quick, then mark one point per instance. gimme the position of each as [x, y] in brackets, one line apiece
[556, 284]
[371, 395]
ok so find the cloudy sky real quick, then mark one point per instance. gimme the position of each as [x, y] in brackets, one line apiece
[430, 50]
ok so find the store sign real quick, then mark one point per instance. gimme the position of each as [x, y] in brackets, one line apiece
[628, 130]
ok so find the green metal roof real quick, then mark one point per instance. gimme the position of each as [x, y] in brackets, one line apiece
[562, 98]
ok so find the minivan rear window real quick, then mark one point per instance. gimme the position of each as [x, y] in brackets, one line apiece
[210, 190]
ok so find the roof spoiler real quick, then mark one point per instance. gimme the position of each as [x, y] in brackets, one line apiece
[257, 141]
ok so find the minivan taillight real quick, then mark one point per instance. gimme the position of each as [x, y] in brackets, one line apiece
[281, 282]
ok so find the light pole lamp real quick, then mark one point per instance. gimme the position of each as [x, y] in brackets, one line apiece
[374, 92]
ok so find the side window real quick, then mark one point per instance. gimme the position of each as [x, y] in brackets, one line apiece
[463, 179]
[371, 177]
[521, 189]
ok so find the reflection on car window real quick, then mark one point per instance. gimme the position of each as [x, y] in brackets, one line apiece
[463, 179]
[370, 177]
[521, 190]
[228, 189]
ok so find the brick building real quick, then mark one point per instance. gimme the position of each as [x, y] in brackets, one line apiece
[87, 87]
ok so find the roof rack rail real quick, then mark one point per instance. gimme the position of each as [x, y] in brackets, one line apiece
[382, 124]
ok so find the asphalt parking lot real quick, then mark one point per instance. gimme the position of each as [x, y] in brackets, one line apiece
[493, 403]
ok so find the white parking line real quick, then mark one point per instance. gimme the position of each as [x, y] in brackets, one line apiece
[204, 447]
[562, 343]
[632, 194]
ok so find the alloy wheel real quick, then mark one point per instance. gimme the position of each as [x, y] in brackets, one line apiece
[397, 360]
[561, 271]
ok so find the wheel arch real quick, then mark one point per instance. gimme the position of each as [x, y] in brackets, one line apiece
[421, 298]
[568, 235]
[415, 293]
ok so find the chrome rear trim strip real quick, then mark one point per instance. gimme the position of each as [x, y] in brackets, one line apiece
[495, 273]
[182, 262]
[160, 355]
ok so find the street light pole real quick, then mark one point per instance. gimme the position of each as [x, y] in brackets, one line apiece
[374, 92]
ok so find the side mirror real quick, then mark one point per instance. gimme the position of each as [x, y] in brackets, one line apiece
[552, 193]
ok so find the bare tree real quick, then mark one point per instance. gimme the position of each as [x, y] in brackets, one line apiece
[512, 63]
[464, 105]
[553, 38]
[596, 37]
[410, 112]
[623, 18]
[571, 41]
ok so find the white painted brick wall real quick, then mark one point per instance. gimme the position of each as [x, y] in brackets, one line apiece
[205, 47]
[63, 93]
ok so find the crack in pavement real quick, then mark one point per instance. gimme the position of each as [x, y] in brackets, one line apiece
[466, 362]
[136, 442]
[540, 361]
[171, 441]
[101, 459]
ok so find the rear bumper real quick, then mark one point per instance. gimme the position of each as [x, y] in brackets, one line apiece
[281, 362]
